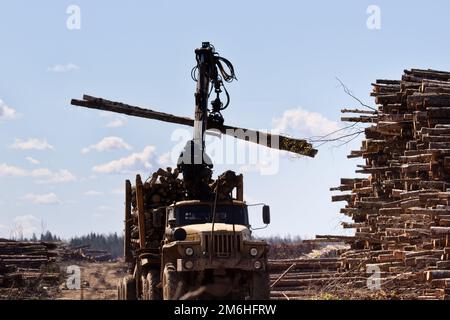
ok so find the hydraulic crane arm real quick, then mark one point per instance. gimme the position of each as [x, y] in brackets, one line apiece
[297, 146]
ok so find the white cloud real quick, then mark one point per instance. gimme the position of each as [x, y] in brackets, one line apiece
[6, 113]
[41, 172]
[62, 68]
[165, 159]
[106, 114]
[49, 198]
[32, 160]
[93, 193]
[132, 163]
[31, 144]
[263, 166]
[117, 191]
[306, 122]
[107, 144]
[115, 120]
[11, 171]
[116, 123]
[44, 175]
[25, 226]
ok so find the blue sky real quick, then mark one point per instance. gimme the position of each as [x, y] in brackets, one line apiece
[287, 55]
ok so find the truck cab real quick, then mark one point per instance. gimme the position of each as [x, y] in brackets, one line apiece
[208, 247]
[188, 248]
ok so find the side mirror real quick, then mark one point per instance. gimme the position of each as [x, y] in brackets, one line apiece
[172, 223]
[170, 218]
[266, 214]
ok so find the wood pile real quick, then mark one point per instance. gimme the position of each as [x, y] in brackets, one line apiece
[302, 278]
[85, 253]
[27, 268]
[401, 211]
[162, 189]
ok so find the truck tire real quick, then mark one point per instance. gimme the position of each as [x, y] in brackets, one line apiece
[129, 288]
[260, 286]
[150, 291]
[153, 280]
[172, 284]
[144, 286]
[119, 290]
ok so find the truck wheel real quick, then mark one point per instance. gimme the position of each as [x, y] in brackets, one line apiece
[144, 285]
[153, 279]
[149, 286]
[129, 288]
[119, 290]
[260, 286]
[172, 286]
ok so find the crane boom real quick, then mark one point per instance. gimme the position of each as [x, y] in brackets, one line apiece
[297, 146]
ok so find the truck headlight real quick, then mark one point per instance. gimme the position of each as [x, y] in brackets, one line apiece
[189, 251]
[253, 252]
[179, 234]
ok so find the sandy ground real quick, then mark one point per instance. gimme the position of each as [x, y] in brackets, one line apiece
[98, 281]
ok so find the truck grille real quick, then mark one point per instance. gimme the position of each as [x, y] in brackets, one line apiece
[223, 245]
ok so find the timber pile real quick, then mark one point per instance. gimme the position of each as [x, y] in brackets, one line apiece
[301, 278]
[85, 253]
[401, 211]
[283, 250]
[27, 269]
[319, 278]
[161, 189]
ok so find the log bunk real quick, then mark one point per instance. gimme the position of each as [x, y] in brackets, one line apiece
[27, 269]
[401, 210]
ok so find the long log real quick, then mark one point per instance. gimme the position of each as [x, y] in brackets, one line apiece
[298, 146]
[437, 274]
[436, 231]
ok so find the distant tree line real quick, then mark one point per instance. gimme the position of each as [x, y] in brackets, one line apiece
[47, 237]
[284, 239]
[112, 242]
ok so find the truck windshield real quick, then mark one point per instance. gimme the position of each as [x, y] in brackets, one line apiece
[198, 214]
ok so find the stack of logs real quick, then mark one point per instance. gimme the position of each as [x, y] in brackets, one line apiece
[306, 278]
[85, 253]
[160, 190]
[401, 211]
[163, 188]
[27, 268]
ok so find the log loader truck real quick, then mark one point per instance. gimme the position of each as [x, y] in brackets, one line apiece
[191, 238]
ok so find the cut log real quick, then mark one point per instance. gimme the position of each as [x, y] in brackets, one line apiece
[437, 274]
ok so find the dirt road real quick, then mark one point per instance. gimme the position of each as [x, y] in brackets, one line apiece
[98, 281]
